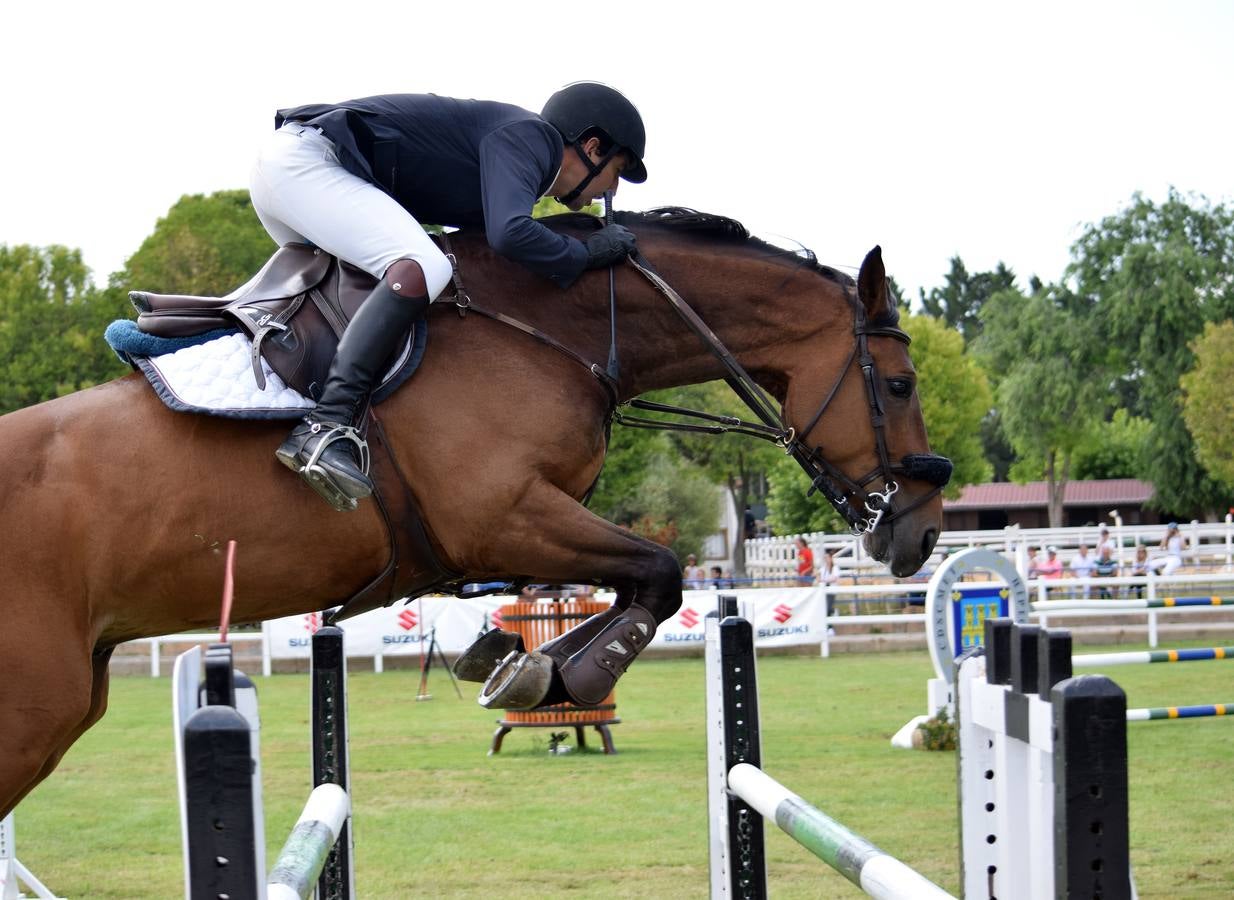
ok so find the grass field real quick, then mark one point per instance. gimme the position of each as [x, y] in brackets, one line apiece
[436, 817]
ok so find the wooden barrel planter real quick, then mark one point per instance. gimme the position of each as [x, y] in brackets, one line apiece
[539, 621]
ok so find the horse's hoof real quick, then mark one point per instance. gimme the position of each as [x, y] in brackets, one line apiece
[485, 654]
[520, 682]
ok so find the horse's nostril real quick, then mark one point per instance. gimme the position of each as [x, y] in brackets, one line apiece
[927, 542]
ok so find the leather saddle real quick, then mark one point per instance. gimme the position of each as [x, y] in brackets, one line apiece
[294, 310]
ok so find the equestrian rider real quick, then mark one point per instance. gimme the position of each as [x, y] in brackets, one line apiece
[357, 178]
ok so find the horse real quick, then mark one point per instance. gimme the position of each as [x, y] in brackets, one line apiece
[115, 511]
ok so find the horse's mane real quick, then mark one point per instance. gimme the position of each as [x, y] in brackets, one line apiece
[708, 227]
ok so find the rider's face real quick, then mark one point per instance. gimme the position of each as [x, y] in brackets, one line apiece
[607, 180]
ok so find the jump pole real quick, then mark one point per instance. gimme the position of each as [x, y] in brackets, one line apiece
[740, 795]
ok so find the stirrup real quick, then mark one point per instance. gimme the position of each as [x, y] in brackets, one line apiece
[336, 433]
[315, 474]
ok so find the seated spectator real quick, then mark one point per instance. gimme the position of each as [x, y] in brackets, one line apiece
[1139, 568]
[719, 581]
[1104, 540]
[827, 573]
[1106, 567]
[1053, 566]
[693, 575]
[1033, 564]
[1083, 566]
[1173, 545]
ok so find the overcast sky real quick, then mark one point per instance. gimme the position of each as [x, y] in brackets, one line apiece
[989, 130]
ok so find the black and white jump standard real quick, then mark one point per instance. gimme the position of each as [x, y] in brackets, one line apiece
[1042, 777]
[219, 771]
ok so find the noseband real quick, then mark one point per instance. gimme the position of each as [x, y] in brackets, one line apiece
[864, 510]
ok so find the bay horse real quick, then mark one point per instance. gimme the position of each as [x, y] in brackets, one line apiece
[115, 511]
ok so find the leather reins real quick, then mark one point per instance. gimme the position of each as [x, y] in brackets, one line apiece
[844, 493]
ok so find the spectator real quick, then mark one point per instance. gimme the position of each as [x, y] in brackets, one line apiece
[1052, 567]
[693, 576]
[1034, 563]
[1107, 567]
[827, 573]
[1173, 545]
[1140, 568]
[718, 581]
[1104, 540]
[805, 562]
[1083, 566]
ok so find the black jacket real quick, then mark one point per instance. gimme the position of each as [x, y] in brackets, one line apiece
[456, 162]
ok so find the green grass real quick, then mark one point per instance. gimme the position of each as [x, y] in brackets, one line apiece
[437, 817]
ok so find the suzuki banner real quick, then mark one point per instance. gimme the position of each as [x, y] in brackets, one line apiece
[782, 617]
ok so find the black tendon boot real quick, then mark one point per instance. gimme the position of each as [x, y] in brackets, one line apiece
[326, 448]
[547, 677]
[590, 674]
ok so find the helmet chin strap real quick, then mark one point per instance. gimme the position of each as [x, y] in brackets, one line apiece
[593, 169]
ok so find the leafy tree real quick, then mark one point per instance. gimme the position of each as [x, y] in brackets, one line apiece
[51, 326]
[1207, 409]
[789, 510]
[547, 206]
[959, 301]
[1047, 359]
[955, 398]
[1156, 273]
[647, 487]
[207, 245]
[1114, 450]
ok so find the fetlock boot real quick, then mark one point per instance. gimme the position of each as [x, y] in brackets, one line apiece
[326, 449]
[589, 675]
[530, 680]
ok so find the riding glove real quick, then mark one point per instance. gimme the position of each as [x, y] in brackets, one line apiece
[611, 244]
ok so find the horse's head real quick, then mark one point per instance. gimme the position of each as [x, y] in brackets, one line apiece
[860, 431]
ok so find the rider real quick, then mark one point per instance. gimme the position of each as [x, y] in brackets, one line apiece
[357, 178]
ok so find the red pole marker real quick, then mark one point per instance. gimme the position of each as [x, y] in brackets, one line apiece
[229, 582]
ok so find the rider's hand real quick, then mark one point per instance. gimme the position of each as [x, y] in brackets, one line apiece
[611, 244]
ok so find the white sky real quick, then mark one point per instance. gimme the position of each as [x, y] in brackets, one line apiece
[991, 130]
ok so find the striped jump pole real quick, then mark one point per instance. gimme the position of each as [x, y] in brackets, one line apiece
[862, 863]
[1047, 606]
[303, 857]
[740, 795]
[1139, 657]
[1179, 712]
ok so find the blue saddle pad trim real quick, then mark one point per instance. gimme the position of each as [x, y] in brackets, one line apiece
[128, 341]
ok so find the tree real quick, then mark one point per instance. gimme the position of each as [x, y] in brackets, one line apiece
[647, 487]
[959, 301]
[1114, 450]
[205, 245]
[1206, 400]
[1156, 273]
[789, 510]
[51, 326]
[955, 398]
[1047, 359]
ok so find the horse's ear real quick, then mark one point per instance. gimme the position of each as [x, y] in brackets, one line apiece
[872, 283]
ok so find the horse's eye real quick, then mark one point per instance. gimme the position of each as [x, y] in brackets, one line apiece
[900, 387]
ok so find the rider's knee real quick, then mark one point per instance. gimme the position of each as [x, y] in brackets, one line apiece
[406, 278]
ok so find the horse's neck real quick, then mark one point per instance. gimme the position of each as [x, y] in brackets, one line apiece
[762, 312]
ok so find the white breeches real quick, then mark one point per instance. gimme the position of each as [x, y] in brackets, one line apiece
[1165, 564]
[302, 193]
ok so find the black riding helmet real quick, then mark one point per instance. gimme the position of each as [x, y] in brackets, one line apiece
[587, 106]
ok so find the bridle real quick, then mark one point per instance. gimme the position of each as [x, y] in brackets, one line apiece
[864, 510]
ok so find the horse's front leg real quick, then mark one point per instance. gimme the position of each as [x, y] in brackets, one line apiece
[553, 538]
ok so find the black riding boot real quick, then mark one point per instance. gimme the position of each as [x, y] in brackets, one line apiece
[326, 448]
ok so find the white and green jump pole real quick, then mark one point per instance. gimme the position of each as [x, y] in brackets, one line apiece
[741, 795]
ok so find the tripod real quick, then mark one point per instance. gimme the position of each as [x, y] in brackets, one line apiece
[426, 664]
